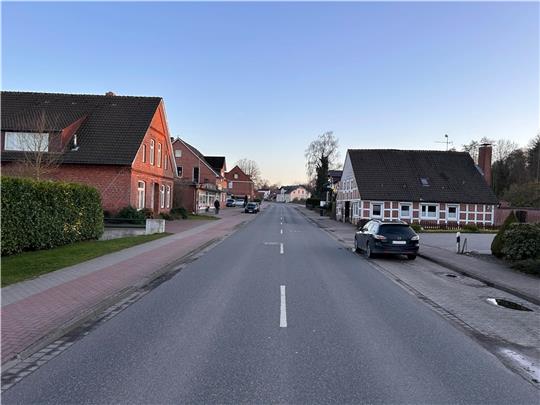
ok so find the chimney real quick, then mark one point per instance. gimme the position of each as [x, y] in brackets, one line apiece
[484, 161]
[110, 93]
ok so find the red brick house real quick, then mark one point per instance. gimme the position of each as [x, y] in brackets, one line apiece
[200, 179]
[239, 184]
[117, 144]
[427, 187]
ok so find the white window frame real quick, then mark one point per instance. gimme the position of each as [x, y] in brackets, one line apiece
[162, 196]
[159, 154]
[422, 216]
[236, 176]
[356, 209]
[401, 212]
[198, 176]
[141, 195]
[371, 214]
[166, 162]
[168, 196]
[14, 141]
[448, 206]
[179, 168]
[178, 153]
[152, 147]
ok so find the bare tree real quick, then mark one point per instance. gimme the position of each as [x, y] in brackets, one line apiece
[251, 168]
[503, 148]
[40, 155]
[325, 147]
[472, 147]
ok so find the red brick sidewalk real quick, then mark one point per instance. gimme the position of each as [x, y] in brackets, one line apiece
[31, 318]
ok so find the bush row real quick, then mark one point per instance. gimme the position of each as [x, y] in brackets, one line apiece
[312, 203]
[45, 214]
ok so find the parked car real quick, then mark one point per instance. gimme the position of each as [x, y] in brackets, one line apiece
[229, 202]
[252, 208]
[239, 203]
[390, 237]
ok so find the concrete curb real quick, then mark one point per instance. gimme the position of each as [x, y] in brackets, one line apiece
[94, 312]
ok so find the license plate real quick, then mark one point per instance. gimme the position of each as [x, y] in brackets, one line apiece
[399, 242]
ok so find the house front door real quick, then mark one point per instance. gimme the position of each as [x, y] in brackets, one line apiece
[346, 217]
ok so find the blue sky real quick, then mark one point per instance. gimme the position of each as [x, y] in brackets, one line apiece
[261, 80]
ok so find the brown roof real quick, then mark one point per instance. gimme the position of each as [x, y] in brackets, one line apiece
[417, 175]
[111, 133]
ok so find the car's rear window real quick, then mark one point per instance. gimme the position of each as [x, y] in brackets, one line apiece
[251, 205]
[396, 230]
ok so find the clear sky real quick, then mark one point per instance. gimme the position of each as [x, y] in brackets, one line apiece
[261, 80]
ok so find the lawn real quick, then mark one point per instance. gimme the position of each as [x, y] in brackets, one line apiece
[26, 265]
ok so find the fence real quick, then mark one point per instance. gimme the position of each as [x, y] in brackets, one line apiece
[531, 215]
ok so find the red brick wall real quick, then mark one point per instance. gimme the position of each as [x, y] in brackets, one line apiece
[188, 161]
[242, 185]
[158, 174]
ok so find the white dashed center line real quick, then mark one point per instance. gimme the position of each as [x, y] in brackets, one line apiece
[281, 248]
[283, 309]
[281, 231]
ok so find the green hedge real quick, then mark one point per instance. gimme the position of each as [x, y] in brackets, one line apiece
[521, 242]
[312, 203]
[44, 214]
[497, 244]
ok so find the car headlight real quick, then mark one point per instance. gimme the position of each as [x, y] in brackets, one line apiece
[415, 237]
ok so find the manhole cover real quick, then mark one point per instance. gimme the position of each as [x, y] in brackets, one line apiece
[508, 304]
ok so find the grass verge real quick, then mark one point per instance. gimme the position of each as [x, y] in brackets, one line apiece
[27, 265]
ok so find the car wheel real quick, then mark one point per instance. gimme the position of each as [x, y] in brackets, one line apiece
[369, 253]
[411, 257]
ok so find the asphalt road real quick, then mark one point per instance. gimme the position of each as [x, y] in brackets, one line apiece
[215, 334]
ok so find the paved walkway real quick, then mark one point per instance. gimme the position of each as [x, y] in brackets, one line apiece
[34, 309]
[490, 270]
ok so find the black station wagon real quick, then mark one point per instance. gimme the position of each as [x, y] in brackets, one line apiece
[393, 237]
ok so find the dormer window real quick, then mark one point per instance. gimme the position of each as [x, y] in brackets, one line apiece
[424, 181]
[27, 141]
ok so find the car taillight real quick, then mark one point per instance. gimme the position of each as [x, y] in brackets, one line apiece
[415, 237]
[379, 237]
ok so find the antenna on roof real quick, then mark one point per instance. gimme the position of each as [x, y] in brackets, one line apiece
[446, 141]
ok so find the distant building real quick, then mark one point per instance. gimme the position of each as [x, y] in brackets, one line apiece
[292, 193]
[200, 179]
[239, 184]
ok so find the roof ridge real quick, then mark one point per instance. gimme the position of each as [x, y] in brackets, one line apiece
[77, 94]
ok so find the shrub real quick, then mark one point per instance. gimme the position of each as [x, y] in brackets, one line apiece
[44, 214]
[470, 228]
[497, 244]
[530, 266]
[165, 216]
[177, 213]
[312, 203]
[132, 214]
[521, 241]
[417, 227]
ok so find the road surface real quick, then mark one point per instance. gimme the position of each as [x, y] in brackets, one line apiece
[277, 313]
